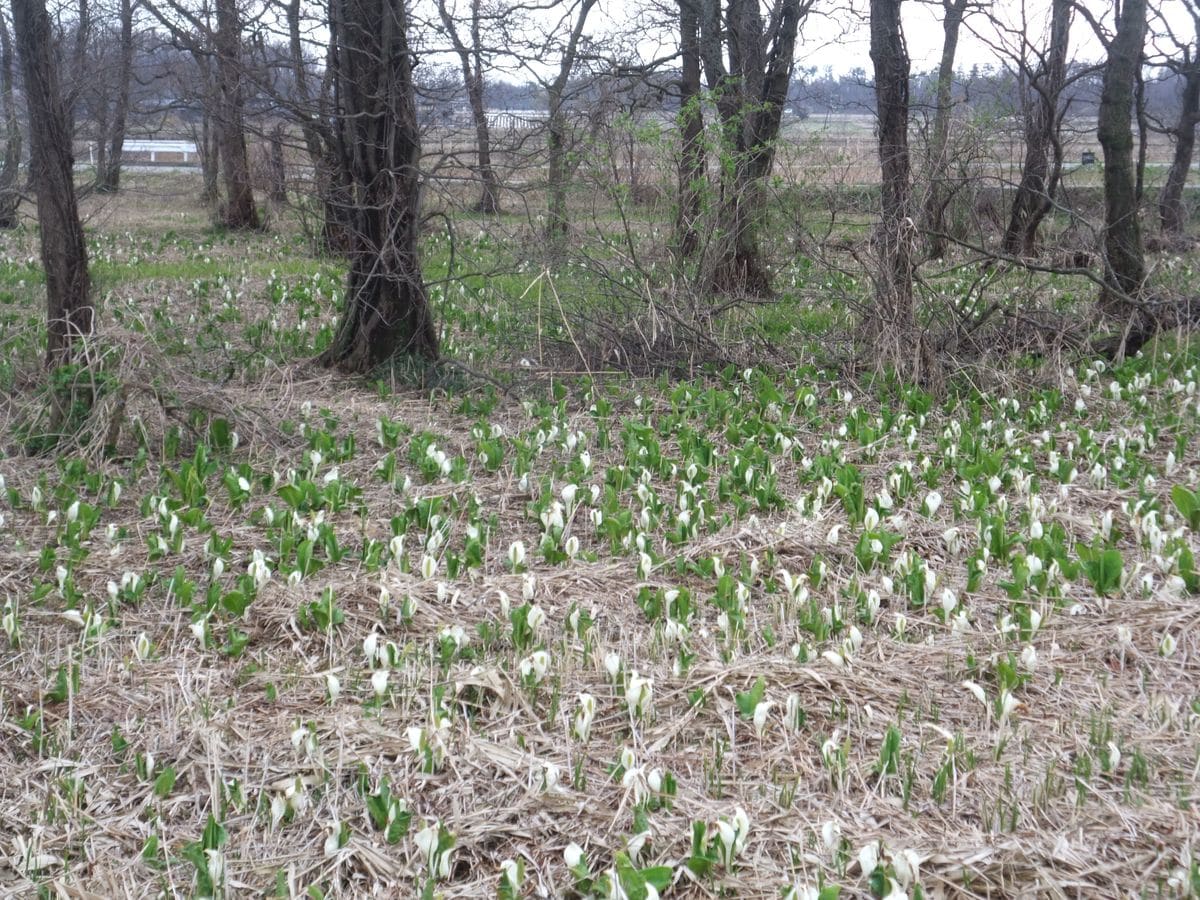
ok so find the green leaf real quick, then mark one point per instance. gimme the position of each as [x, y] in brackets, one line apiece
[632, 881]
[150, 852]
[292, 495]
[658, 876]
[1188, 505]
[1103, 568]
[214, 834]
[164, 783]
[235, 602]
[747, 701]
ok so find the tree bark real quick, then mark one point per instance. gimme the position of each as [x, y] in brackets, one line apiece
[691, 128]
[64, 252]
[1124, 263]
[558, 169]
[471, 60]
[940, 191]
[895, 234]
[1043, 148]
[387, 308]
[311, 110]
[751, 95]
[239, 211]
[1172, 211]
[108, 172]
[210, 162]
[77, 77]
[278, 167]
[10, 167]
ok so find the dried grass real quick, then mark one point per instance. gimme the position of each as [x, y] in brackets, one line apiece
[211, 718]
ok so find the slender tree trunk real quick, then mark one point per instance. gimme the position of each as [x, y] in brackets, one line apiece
[313, 114]
[210, 161]
[1171, 209]
[108, 174]
[558, 168]
[64, 252]
[239, 211]
[895, 235]
[557, 223]
[1143, 139]
[1124, 264]
[100, 126]
[1043, 149]
[940, 191]
[387, 308]
[278, 167]
[691, 127]
[76, 78]
[10, 167]
[471, 60]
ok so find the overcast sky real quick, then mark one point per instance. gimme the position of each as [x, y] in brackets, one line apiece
[841, 38]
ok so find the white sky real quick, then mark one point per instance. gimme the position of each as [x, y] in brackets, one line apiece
[836, 35]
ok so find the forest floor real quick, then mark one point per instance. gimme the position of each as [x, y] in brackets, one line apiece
[270, 631]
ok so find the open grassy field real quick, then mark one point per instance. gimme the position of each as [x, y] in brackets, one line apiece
[757, 633]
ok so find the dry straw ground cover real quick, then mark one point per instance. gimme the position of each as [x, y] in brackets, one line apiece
[754, 635]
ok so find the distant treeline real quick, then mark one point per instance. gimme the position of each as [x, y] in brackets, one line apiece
[986, 90]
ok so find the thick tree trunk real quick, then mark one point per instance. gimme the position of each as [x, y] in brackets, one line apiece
[750, 98]
[895, 235]
[239, 211]
[1043, 149]
[471, 60]
[64, 252]
[940, 188]
[112, 140]
[387, 308]
[691, 129]
[1171, 208]
[10, 167]
[1124, 263]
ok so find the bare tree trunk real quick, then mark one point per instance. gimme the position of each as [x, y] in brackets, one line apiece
[112, 139]
[558, 169]
[387, 308]
[751, 94]
[239, 211]
[1043, 149]
[895, 235]
[10, 168]
[76, 78]
[313, 114]
[557, 223]
[209, 153]
[471, 61]
[64, 252]
[1143, 132]
[1124, 263]
[1171, 209]
[940, 193]
[278, 167]
[691, 127]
